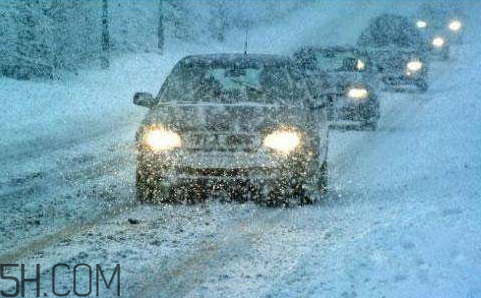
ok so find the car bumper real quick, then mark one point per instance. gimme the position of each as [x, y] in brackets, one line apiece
[215, 167]
[439, 53]
[347, 110]
[180, 180]
[403, 82]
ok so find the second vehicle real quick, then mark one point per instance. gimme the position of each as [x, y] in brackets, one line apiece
[349, 75]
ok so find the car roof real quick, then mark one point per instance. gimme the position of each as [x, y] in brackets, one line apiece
[238, 58]
[334, 49]
[391, 29]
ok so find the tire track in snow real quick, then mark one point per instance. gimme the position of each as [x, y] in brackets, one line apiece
[192, 270]
[50, 239]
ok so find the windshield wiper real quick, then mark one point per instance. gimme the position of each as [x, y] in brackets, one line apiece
[240, 82]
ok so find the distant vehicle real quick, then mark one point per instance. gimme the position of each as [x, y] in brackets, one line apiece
[349, 73]
[398, 52]
[439, 30]
[438, 19]
[239, 125]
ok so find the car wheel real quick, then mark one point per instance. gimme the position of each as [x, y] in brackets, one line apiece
[143, 189]
[150, 188]
[185, 193]
[283, 192]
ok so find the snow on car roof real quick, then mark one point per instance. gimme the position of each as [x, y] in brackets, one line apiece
[238, 58]
[338, 49]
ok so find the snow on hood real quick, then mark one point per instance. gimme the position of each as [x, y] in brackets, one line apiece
[227, 117]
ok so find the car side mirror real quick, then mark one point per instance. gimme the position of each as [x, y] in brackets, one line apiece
[144, 99]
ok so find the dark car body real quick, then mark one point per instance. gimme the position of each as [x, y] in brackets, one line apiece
[441, 19]
[344, 69]
[433, 22]
[395, 45]
[223, 108]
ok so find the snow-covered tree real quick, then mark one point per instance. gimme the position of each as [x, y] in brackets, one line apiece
[42, 38]
[105, 35]
[219, 21]
[160, 29]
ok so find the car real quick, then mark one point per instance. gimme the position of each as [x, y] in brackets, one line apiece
[349, 73]
[439, 19]
[237, 126]
[431, 21]
[398, 51]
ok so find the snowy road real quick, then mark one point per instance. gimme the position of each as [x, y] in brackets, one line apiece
[401, 219]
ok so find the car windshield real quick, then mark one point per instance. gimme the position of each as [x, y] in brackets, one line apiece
[233, 83]
[337, 62]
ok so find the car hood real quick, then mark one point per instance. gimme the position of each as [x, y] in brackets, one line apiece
[342, 81]
[217, 117]
[389, 60]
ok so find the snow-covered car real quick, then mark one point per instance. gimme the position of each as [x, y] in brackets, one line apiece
[438, 19]
[232, 125]
[431, 21]
[352, 84]
[398, 52]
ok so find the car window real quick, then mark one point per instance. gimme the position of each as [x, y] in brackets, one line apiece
[337, 62]
[232, 84]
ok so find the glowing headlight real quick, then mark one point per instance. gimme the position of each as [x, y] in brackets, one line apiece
[414, 66]
[282, 141]
[357, 93]
[455, 25]
[159, 139]
[360, 65]
[421, 24]
[438, 42]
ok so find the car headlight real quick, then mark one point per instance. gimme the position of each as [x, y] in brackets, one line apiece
[159, 139]
[414, 66]
[357, 93]
[455, 25]
[438, 42]
[421, 24]
[360, 65]
[283, 141]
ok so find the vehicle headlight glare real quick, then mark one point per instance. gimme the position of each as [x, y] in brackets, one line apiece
[438, 42]
[414, 66]
[282, 141]
[357, 93]
[360, 65]
[421, 24]
[159, 139]
[455, 25]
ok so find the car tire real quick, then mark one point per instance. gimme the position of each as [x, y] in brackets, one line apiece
[143, 189]
[284, 192]
[151, 188]
[323, 178]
